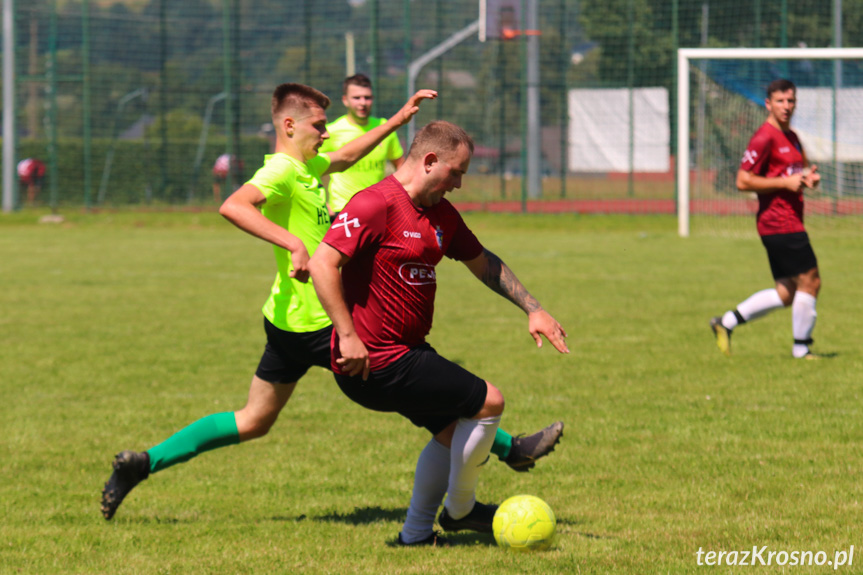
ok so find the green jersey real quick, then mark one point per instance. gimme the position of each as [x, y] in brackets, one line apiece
[297, 202]
[369, 170]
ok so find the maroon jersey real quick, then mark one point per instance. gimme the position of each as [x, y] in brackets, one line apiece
[772, 153]
[223, 165]
[30, 171]
[390, 280]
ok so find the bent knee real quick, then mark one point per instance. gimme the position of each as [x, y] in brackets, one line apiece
[251, 427]
[815, 286]
[494, 402]
[809, 282]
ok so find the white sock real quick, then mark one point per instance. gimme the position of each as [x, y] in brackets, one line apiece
[803, 316]
[757, 305]
[729, 320]
[471, 445]
[430, 484]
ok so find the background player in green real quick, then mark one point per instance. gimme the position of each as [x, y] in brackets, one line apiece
[285, 205]
[357, 97]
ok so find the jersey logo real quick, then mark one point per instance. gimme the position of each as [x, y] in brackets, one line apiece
[415, 235]
[344, 222]
[749, 157]
[784, 149]
[439, 236]
[416, 274]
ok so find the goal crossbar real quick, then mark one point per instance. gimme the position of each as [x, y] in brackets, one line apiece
[684, 56]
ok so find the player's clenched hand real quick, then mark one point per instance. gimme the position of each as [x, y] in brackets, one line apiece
[811, 177]
[413, 105]
[300, 264]
[794, 182]
[355, 356]
[540, 323]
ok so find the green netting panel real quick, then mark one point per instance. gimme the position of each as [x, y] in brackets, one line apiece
[172, 85]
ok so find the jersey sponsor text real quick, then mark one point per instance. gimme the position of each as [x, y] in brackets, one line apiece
[416, 274]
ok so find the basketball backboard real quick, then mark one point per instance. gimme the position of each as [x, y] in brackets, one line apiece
[499, 19]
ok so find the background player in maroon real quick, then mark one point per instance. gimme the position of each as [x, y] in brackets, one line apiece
[775, 167]
[375, 275]
[31, 172]
[221, 169]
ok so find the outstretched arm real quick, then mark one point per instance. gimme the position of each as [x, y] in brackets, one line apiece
[491, 271]
[353, 151]
[241, 209]
[324, 267]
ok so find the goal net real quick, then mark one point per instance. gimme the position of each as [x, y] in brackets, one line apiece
[721, 95]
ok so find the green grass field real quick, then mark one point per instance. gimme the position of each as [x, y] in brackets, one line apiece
[118, 329]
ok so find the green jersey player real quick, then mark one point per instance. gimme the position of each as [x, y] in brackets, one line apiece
[357, 98]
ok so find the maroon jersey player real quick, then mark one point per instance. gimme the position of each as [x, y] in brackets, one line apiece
[775, 167]
[375, 274]
[221, 169]
[31, 173]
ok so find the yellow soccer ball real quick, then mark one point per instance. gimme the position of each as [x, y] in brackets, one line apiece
[524, 523]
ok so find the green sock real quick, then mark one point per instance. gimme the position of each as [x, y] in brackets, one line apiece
[211, 432]
[502, 444]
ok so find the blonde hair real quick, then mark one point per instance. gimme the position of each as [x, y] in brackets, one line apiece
[441, 137]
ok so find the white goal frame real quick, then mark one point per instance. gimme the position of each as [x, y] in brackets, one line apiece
[684, 57]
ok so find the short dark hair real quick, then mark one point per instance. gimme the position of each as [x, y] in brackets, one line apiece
[360, 80]
[292, 97]
[441, 137]
[780, 85]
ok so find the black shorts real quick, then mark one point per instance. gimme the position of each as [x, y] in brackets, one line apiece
[289, 355]
[421, 385]
[790, 254]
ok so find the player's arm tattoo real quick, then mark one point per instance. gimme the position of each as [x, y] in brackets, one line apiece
[500, 278]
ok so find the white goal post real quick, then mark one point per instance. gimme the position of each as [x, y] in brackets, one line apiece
[687, 55]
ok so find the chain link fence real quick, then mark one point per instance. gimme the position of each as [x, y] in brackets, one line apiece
[131, 102]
